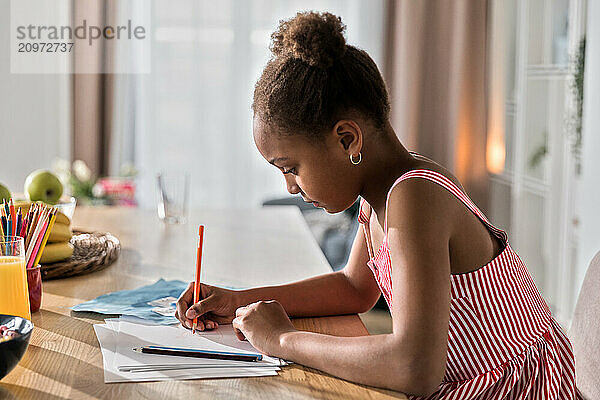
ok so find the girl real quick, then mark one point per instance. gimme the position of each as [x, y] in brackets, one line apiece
[468, 321]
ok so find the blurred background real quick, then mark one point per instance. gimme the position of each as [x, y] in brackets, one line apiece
[500, 92]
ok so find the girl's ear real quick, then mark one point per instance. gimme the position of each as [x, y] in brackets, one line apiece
[349, 136]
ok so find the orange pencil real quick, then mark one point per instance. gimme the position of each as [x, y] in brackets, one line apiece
[198, 264]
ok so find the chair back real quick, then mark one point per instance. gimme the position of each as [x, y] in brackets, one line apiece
[585, 333]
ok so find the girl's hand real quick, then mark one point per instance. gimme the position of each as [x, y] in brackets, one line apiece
[262, 323]
[216, 306]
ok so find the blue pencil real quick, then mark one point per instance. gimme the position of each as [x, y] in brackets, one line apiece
[183, 352]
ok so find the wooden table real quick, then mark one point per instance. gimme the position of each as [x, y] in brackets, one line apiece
[242, 248]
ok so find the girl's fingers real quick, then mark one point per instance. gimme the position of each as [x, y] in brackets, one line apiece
[180, 312]
[210, 324]
[201, 307]
[241, 311]
[236, 328]
[200, 325]
[184, 301]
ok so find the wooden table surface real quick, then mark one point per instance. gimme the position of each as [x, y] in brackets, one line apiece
[242, 248]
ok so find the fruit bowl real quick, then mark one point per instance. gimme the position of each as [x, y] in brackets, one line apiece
[12, 350]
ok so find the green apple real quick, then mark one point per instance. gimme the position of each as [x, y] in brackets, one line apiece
[43, 186]
[4, 193]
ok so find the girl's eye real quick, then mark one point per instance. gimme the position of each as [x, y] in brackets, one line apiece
[289, 171]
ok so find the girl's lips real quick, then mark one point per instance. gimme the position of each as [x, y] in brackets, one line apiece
[314, 203]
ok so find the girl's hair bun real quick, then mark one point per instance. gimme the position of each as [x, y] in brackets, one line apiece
[316, 38]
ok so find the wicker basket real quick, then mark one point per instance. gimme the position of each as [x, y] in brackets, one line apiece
[92, 252]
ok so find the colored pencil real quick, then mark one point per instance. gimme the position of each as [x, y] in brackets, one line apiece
[13, 217]
[3, 224]
[183, 352]
[38, 243]
[37, 235]
[32, 240]
[45, 239]
[23, 228]
[19, 221]
[2, 234]
[198, 265]
[32, 224]
[34, 227]
[29, 219]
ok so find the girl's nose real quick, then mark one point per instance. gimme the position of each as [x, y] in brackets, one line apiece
[292, 186]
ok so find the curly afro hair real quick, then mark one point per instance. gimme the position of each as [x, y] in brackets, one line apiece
[313, 77]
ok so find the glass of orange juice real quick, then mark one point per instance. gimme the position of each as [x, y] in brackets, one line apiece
[14, 295]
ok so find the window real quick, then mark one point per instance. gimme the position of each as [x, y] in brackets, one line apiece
[193, 111]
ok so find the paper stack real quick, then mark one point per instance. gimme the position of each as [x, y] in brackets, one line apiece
[119, 336]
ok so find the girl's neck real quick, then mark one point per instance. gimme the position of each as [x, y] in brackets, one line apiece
[391, 161]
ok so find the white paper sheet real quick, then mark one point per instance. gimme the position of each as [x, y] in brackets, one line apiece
[224, 334]
[108, 339]
[134, 335]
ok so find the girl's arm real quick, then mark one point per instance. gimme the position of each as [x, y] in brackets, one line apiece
[348, 291]
[351, 290]
[413, 358]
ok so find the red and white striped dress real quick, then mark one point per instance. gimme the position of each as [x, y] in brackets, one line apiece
[503, 342]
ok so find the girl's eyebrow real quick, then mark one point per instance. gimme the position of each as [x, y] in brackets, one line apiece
[277, 159]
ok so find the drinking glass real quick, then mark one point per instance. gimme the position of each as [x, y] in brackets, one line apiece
[14, 294]
[172, 190]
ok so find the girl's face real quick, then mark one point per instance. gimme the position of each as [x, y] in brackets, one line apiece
[320, 172]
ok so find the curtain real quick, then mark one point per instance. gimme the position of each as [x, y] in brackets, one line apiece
[436, 75]
[92, 88]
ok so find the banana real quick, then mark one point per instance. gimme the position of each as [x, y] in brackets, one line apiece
[60, 217]
[54, 252]
[60, 233]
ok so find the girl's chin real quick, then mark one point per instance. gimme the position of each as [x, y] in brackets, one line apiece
[325, 208]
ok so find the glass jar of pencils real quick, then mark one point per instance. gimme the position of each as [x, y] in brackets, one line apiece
[14, 293]
[34, 283]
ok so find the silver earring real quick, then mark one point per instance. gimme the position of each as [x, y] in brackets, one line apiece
[356, 162]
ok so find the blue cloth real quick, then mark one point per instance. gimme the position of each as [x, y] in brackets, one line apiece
[135, 302]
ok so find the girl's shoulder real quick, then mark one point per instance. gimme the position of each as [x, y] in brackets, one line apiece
[418, 191]
[427, 164]
[428, 193]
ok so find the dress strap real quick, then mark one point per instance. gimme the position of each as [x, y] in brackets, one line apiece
[447, 184]
[362, 217]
